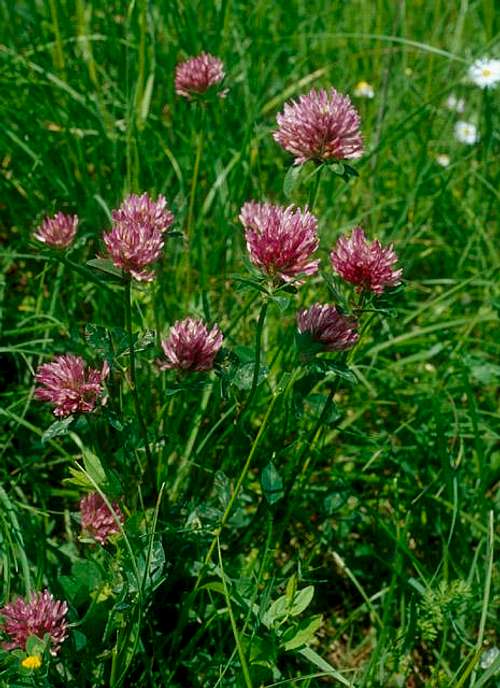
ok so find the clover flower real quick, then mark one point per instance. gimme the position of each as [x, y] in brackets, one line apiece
[485, 73]
[325, 325]
[70, 385]
[42, 614]
[97, 519]
[197, 74]
[322, 125]
[57, 231]
[136, 237]
[364, 90]
[191, 346]
[368, 266]
[466, 132]
[280, 241]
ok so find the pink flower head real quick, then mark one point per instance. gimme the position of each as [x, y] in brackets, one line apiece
[70, 385]
[42, 614]
[328, 327]
[136, 237]
[368, 266]
[191, 345]
[58, 231]
[197, 74]
[97, 519]
[280, 240]
[322, 125]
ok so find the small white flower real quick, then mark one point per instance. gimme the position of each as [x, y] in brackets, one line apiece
[488, 657]
[455, 104]
[484, 73]
[364, 90]
[443, 159]
[466, 132]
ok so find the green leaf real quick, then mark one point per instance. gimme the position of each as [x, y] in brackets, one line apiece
[35, 646]
[318, 661]
[78, 479]
[107, 267]
[244, 376]
[276, 612]
[272, 483]
[291, 588]
[99, 339]
[94, 467]
[58, 428]
[302, 600]
[215, 586]
[291, 180]
[302, 633]
[79, 640]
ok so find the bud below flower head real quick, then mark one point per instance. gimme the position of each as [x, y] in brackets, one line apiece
[42, 614]
[368, 266]
[96, 518]
[325, 325]
[191, 346]
[136, 237]
[57, 231]
[280, 241]
[321, 126]
[70, 385]
[197, 74]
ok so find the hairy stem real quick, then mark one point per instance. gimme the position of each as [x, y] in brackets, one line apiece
[133, 382]
[258, 349]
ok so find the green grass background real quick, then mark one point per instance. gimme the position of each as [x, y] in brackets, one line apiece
[401, 489]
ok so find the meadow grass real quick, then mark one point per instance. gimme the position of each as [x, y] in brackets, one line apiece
[267, 541]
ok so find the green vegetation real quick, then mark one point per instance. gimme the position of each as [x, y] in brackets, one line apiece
[286, 523]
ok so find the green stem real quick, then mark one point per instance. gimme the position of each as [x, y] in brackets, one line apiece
[243, 661]
[258, 349]
[313, 192]
[133, 381]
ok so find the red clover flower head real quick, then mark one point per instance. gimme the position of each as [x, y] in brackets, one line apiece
[368, 266]
[136, 237]
[57, 231]
[42, 614]
[197, 74]
[325, 325]
[191, 346]
[67, 383]
[280, 241]
[322, 125]
[97, 519]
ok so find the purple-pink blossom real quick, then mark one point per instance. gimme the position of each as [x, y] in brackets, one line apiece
[197, 74]
[57, 231]
[97, 519]
[280, 241]
[70, 385]
[325, 325]
[368, 266]
[322, 125]
[136, 238]
[191, 346]
[40, 615]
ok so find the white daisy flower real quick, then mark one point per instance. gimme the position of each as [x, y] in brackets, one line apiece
[443, 159]
[455, 104]
[364, 90]
[466, 132]
[484, 73]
